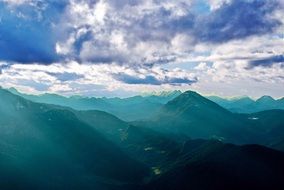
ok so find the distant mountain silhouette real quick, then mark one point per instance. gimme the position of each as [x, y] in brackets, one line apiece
[128, 109]
[248, 105]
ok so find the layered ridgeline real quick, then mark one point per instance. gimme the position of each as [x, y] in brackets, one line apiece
[197, 117]
[188, 113]
[52, 147]
[143, 107]
[248, 105]
[128, 109]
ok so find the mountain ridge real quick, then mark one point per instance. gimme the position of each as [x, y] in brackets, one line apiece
[96, 150]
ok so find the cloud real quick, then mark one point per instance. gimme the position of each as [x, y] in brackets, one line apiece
[268, 62]
[72, 78]
[232, 78]
[65, 76]
[225, 78]
[136, 80]
[26, 33]
[126, 32]
[155, 76]
[152, 80]
[237, 20]
[159, 32]
[102, 46]
[130, 33]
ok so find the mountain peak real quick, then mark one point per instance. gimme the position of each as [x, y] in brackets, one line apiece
[191, 93]
[265, 99]
[190, 99]
[189, 96]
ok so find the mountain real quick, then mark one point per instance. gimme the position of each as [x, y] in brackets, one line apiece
[217, 166]
[144, 107]
[108, 125]
[163, 97]
[265, 99]
[248, 105]
[189, 114]
[205, 164]
[271, 124]
[154, 149]
[238, 105]
[44, 147]
[133, 108]
[51, 147]
[128, 109]
[180, 163]
[196, 116]
[75, 102]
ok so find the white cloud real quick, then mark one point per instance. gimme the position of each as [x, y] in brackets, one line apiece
[116, 31]
[235, 79]
[138, 38]
[222, 78]
[92, 79]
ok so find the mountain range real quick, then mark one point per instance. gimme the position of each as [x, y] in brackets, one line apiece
[189, 142]
[128, 109]
[248, 105]
[144, 107]
[197, 117]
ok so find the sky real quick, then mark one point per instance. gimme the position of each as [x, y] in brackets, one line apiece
[128, 47]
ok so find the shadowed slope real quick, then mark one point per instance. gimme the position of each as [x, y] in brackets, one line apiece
[45, 147]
